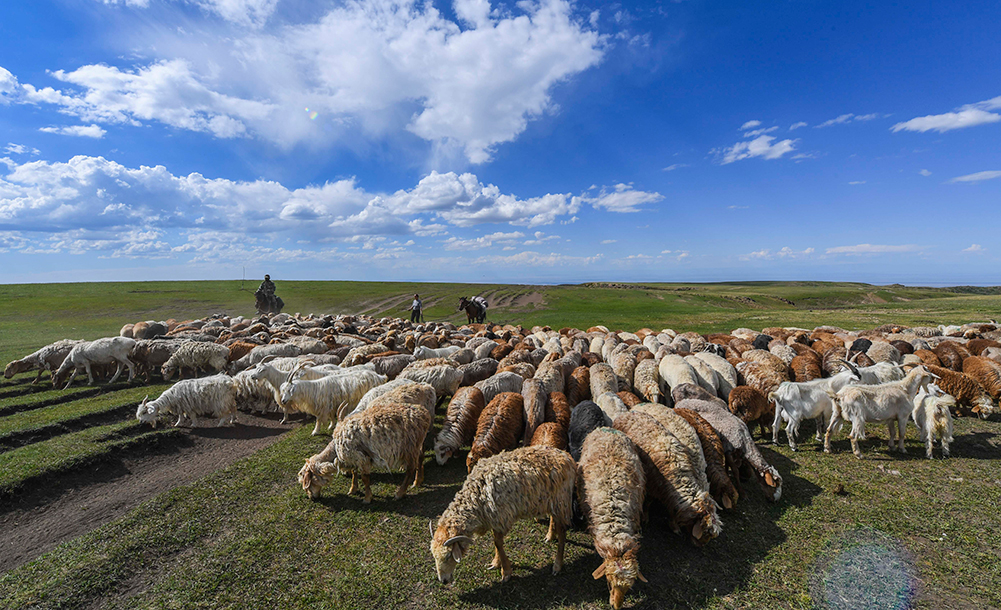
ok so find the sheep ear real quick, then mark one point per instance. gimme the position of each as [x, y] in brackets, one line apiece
[727, 504]
[640, 576]
[769, 479]
[600, 572]
[457, 553]
[697, 530]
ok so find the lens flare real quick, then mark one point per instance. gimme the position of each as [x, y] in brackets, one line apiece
[312, 114]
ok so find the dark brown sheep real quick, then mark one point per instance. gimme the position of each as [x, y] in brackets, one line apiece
[499, 428]
[720, 485]
[751, 406]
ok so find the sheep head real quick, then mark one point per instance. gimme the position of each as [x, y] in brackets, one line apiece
[771, 483]
[168, 370]
[447, 552]
[314, 476]
[15, 367]
[441, 454]
[148, 413]
[620, 571]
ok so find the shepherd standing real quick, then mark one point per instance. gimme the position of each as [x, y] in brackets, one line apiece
[416, 309]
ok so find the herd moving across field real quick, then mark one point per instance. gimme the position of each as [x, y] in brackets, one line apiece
[574, 426]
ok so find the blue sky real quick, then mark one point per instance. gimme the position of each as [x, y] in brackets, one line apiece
[540, 141]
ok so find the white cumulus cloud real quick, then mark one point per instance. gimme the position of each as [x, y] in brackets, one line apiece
[873, 249]
[969, 115]
[621, 198]
[975, 248]
[82, 131]
[759, 147]
[978, 177]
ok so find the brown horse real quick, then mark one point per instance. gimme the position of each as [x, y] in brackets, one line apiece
[474, 312]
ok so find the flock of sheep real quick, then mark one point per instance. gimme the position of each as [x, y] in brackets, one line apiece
[570, 425]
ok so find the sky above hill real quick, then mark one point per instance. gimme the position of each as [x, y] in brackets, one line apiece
[531, 142]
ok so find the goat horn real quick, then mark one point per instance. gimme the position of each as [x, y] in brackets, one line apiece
[340, 410]
[145, 400]
[298, 367]
[458, 540]
[853, 368]
[431, 526]
[267, 359]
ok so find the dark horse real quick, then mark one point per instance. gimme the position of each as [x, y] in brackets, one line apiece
[474, 312]
[263, 306]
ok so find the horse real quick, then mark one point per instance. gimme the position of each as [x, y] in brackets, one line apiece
[263, 306]
[474, 311]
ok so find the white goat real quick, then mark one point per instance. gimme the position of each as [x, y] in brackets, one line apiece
[799, 400]
[319, 397]
[99, 351]
[213, 396]
[878, 403]
[933, 417]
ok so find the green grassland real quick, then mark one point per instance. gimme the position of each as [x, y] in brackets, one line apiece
[247, 536]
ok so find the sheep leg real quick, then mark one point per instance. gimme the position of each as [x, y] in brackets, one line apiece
[316, 429]
[419, 479]
[118, 371]
[500, 558]
[929, 443]
[354, 484]
[776, 425]
[945, 447]
[38, 377]
[90, 373]
[902, 429]
[411, 475]
[792, 432]
[830, 429]
[368, 488]
[561, 540]
[892, 433]
[855, 448]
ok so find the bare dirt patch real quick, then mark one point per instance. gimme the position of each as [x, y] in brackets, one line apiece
[39, 519]
[532, 299]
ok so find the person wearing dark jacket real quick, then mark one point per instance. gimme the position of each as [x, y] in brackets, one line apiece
[267, 288]
[416, 309]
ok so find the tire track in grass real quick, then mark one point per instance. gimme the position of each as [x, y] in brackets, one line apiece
[57, 397]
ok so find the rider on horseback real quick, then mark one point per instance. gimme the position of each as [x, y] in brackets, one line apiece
[267, 291]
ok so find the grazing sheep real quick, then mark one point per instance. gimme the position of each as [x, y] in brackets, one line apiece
[478, 370]
[928, 357]
[681, 430]
[704, 373]
[629, 399]
[360, 354]
[391, 366]
[527, 483]
[525, 369]
[386, 436]
[150, 355]
[671, 478]
[881, 351]
[611, 490]
[603, 379]
[986, 372]
[498, 429]
[579, 386]
[807, 366]
[198, 357]
[726, 375]
[752, 407]
[760, 376]
[646, 382]
[878, 403]
[499, 383]
[213, 396]
[82, 356]
[674, 371]
[585, 417]
[319, 397]
[460, 423]
[967, 392]
[549, 434]
[444, 378]
[624, 366]
[558, 410]
[398, 390]
[737, 444]
[534, 399]
[48, 358]
[933, 419]
[948, 353]
[720, 485]
[611, 404]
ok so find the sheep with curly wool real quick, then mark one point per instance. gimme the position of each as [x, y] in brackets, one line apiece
[624, 366]
[534, 399]
[398, 390]
[602, 379]
[460, 423]
[387, 436]
[83, 356]
[478, 370]
[277, 350]
[197, 357]
[646, 382]
[969, 394]
[750, 405]
[549, 434]
[578, 386]
[611, 489]
[213, 396]
[671, 478]
[499, 427]
[704, 373]
[391, 366]
[683, 431]
[499, 383]
[720, 485]
[611, 405]
[527, 483]
[442, 376]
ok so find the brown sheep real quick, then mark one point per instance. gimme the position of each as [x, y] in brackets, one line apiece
[986, 372]
[534, 405]
[977, 346]
[807, 366]
[928, 357]
[558, 410]
[950, 356]
[751, 406]
[759, 376]
[967, 392]
[630, 399]
[500, 351]
[525, 369]
[549, 434]
[499, 428]
[720, 485]
[239, 350]
[579, 386]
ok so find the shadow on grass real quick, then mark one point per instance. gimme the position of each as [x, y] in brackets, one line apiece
[680, 575]
[977, 445]
[239, 431]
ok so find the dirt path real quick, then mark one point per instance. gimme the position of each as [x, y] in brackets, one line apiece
[81, 501]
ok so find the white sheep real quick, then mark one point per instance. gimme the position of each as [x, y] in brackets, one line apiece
[196, 355]
[424, 353]
[674, 371]
[499, 383]
[932, 414]
[48, 358]
[319, 397]
[213, 396]
[100, 351]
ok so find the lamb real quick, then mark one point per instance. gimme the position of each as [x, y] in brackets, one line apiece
[48, 358]
[720, 485]
[501, 382]
[499, 427]
[584, 418]
[444, 378]
[460, 423]
[751, 406]
[386, 436]
[933, 419]
[534, 399]
[986, 372]
[198, 356]
[877, 403]
[100, 351]
[737, 444]
[527, 483]
[965, 390]
[213, 396]
[318, 397]
[671, 478]
[611, 490]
